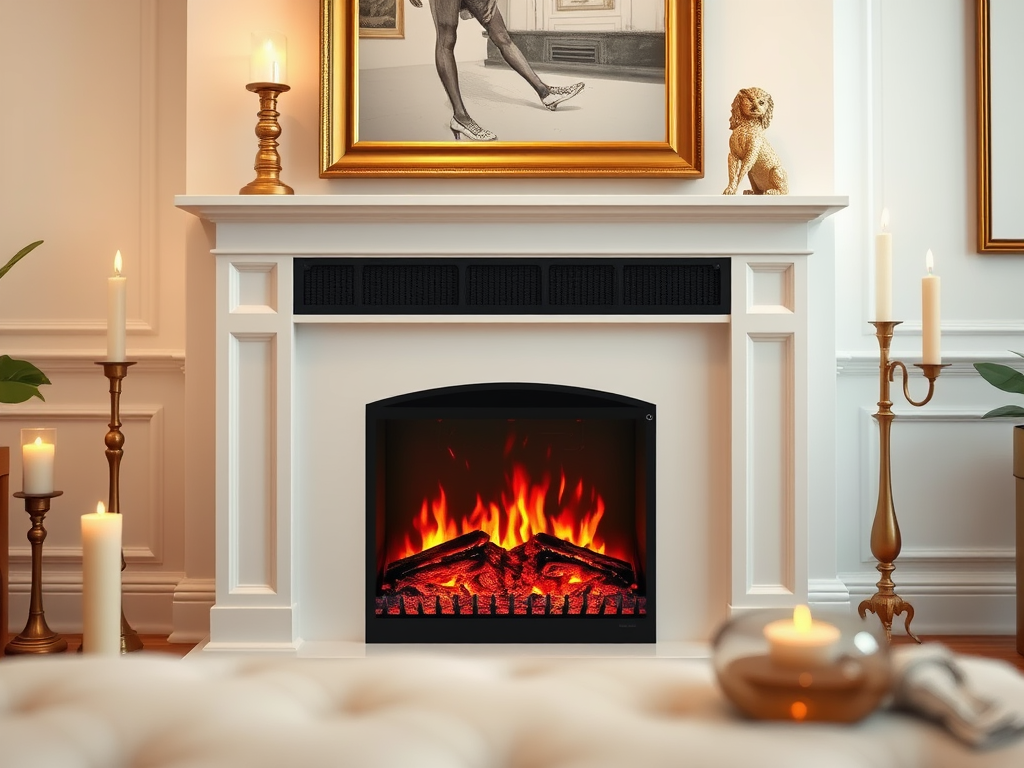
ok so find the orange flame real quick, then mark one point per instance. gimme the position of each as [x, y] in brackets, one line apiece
[517, 518]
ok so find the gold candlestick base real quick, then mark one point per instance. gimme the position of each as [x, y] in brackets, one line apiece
[36, 637]
[885, 530]
[114, 441]
[268, 160]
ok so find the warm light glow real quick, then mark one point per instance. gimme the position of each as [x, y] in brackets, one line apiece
[798, 710]
[38, 441]
[885, 219]
[929, 261]
[100, 508]
[117, 264]
[515, 519]
[802, 618]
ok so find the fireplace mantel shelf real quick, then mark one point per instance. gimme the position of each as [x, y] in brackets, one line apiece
[367, 209]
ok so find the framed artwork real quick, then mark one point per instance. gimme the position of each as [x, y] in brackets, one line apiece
[1000, 63]
[382, 18]
[584, 5]
[573, 105]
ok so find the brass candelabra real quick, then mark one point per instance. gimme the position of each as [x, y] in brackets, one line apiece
[36, 637]
[268, 161]
[114, 442]
[885, 529]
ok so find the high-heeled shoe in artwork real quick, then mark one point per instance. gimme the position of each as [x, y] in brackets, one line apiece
[559, 93]
[471, 129]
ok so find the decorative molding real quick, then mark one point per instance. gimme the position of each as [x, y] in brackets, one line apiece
[961, 364]
[70, 582]
[959, 582]
[78, 361]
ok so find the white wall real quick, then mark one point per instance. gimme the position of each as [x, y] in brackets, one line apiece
[93, 153]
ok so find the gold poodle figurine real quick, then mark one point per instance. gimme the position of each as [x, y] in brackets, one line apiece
[750, 154]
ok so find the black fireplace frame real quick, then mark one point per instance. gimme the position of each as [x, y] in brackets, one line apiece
[513, 400]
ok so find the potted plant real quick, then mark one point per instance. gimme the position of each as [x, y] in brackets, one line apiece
[19, 379]
[1009, 380]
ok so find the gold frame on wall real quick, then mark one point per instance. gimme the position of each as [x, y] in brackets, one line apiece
[397, 33]
[987, 243]
[342, 155]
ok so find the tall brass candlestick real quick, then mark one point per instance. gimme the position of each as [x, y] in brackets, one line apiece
[114, 441]
[268, 161]
[36, 637]
[885, 530]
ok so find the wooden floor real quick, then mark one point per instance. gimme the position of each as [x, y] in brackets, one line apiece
[1002, 647]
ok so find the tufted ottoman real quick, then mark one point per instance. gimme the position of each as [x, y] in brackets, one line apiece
[437, 711]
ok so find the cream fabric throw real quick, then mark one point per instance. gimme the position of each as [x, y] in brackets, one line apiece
[929, 682]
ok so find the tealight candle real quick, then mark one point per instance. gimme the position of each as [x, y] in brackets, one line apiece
[800, 641]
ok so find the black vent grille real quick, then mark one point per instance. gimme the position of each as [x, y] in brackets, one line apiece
[329, 285]
[583, 285]
[572, 52]
[410, 285]
[671, 285]
[504, 285]
[606, 285]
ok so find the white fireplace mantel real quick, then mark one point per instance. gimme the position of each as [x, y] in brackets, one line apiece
[286, 550]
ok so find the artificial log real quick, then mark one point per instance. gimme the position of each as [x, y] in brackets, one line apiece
[448, 578]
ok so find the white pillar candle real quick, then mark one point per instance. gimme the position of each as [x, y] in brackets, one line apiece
[101, 582]
[883, 270]
[37, 454]
[800, 641]
[116, 293]
[267, 63]
[930, 322]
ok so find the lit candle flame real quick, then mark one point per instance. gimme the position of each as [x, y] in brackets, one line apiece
[117, 264]
[929, 261]
[100, 508]
[39, 441]
[885, 219]
[802, 618]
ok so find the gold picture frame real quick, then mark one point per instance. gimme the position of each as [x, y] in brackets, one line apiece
[344, 155]
[395, 31]
[998, 60]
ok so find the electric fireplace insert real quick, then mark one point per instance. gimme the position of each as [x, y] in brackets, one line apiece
[510, 513]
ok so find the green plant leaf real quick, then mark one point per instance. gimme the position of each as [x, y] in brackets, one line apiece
[19, 256]
[1002, 377]
[20, 380]
[1005, 410]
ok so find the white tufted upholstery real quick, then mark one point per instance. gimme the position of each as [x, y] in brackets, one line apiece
[436, 711]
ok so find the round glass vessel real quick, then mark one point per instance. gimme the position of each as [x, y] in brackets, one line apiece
[789, 665]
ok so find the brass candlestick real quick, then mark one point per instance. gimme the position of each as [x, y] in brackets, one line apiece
[885, 530]
[36, 637]
[268, 161]
[114, 441]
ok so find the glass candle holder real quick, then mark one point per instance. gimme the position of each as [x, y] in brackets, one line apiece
[786, 665]
[37, 453]
[269, 58]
